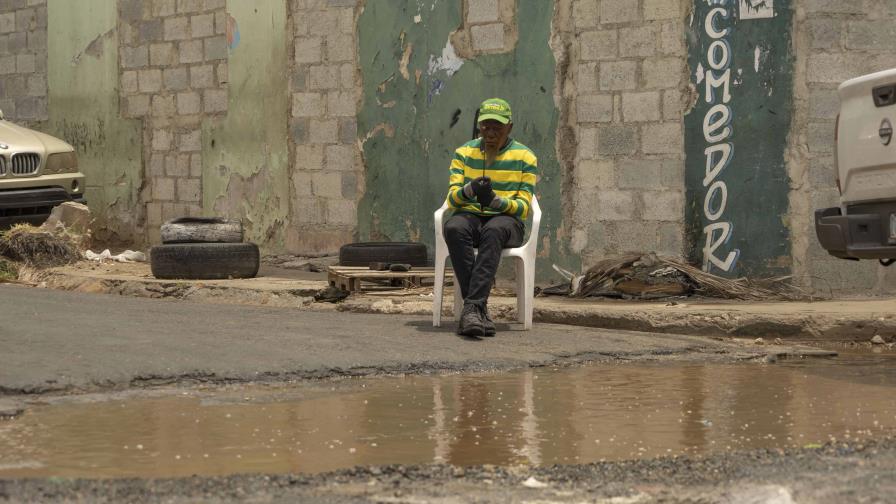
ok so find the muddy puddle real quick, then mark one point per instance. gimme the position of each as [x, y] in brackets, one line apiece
[536, 416]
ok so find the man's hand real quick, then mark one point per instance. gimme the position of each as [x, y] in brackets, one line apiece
[482, 187]
[476, 187]
[470, 188]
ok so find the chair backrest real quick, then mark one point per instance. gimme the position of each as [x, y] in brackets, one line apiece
[536, 221]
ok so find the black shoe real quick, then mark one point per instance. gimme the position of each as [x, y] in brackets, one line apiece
[470, 323]
[488, 325]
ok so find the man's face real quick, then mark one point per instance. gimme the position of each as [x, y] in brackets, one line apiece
[494, 134]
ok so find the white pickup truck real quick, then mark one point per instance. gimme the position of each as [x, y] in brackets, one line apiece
[864, 225]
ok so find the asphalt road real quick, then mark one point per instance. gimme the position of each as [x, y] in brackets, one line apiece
[63, 341]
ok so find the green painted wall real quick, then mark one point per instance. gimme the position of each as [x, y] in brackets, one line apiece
[736, 208]
[83, 79]
[245, 156]
[407, 173]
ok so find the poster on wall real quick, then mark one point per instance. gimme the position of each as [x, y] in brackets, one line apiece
[741, 67]
[756, 9]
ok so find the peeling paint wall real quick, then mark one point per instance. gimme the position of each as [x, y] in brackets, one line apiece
[83, 110]
[419, 102]
[321, 122]
[245, 155]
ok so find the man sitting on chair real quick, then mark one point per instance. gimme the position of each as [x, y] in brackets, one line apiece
[491, 186]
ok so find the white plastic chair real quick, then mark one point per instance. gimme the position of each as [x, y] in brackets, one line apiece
[525, 270]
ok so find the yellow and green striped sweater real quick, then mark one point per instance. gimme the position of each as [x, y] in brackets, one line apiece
[513, 174]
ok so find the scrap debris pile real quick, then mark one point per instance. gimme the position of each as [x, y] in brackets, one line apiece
[649, 276]
[39, 247]
[313, 264]
[59, 241]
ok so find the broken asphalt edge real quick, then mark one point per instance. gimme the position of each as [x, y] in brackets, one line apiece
[831, 321]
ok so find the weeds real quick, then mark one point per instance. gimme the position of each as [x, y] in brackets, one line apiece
[8, 271]
[37, 247]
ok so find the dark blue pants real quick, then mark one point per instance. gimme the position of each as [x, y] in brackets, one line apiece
[476, 273]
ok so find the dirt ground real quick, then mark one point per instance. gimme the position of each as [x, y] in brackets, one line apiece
[858, 471]
[856, 320]
[835, 473]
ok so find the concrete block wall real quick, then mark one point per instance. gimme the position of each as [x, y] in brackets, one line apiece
[489, 27]
[173, 63]
[628, 62]
[835, 41]
[23, 60]
[327, 171]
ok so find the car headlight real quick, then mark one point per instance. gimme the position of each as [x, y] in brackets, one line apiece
[62, 162]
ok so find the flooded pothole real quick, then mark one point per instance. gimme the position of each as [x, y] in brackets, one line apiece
[536, 417]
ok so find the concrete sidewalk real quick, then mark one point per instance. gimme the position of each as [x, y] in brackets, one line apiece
[839, 320]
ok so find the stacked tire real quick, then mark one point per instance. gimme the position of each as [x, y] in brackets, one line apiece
[195, 248]
[364, 253]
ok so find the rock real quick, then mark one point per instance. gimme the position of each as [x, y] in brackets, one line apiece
[534, 483]
[10, 409]
[877, 340]
[331, 294]
[74, 216]
[296, 265]
[759, 341]
[321, 264]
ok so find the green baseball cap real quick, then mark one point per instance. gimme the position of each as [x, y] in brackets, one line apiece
[497, 109]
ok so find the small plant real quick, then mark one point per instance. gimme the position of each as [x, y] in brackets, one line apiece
[8, 271]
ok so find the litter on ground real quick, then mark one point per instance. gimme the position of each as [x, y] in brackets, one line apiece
[649, 276]
[124, 257]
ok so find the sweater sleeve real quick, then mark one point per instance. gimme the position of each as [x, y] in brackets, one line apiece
[456, 197]
[519, 203]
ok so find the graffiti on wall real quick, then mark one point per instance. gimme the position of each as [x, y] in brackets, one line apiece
[735, 136]
[717, 134]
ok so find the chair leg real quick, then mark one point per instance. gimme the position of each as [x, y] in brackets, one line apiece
[520, 264]
[529, 266]
[438, 289]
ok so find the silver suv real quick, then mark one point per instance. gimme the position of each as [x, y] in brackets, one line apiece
[864, 225]
[37, 172]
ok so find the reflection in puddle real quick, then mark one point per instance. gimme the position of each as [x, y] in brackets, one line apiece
[543, 416]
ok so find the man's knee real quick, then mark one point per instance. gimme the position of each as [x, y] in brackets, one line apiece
[456, 227]
[492, 234]
[496, 232]
[503, 229]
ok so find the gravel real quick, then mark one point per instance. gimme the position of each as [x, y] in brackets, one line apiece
[836, 472]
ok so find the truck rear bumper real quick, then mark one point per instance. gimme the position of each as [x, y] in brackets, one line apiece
[32, 206]
[856, 236]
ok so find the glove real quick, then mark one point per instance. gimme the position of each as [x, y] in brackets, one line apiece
[470, 188]
[482, 186]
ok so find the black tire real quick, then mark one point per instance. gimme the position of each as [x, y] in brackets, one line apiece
[362, 254]
[204, 261]
[202, 230]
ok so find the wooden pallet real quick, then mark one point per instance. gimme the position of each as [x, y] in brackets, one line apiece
[358, 278]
